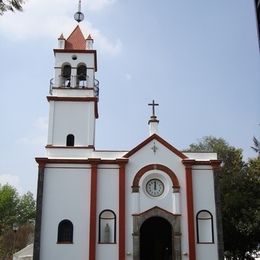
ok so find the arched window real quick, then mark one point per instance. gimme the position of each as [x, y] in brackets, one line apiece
[107, 227]
[65, 232]
[70, 140]
[82, 76]
[205, 232]
[65, 75]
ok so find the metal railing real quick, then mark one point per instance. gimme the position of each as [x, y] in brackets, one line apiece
[51, 85]
[74, 82]
[96, 87]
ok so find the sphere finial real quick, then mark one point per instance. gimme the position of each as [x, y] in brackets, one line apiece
[79, 16]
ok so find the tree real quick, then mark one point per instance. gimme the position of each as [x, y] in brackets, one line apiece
[26, 208]
[15, 209]
[239, 186]
[10, 5]
[11, 242]
[256, 146]
[9, 200]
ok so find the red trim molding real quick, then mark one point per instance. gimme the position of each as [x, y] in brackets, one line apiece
[46, 160]
[121, 224]
[190, 208]
[141, 172]
[72, 99]
[93, 210]
[160, 140]
[69, 147]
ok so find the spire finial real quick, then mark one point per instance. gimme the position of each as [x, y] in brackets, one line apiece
[153, 105]
[153, 122]
[79, 16]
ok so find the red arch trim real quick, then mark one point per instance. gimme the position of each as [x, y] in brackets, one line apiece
[141, 172]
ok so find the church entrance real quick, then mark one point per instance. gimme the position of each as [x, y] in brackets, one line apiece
[156, 239]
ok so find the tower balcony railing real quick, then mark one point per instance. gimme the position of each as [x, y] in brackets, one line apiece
[78, 81]
[75, 82]
[96, 87]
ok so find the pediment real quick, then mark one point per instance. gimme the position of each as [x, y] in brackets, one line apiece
[161, 141]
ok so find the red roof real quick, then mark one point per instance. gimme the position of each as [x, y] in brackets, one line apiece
[76, 40]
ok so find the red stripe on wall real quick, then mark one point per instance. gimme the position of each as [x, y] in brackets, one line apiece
[190, 211]
[121, 211]
[93, 213]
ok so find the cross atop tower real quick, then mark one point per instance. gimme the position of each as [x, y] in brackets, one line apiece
[153, 122]
[153, 107]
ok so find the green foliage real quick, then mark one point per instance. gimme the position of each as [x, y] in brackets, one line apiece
[256, 146]
[240, 194]
[9, 200]
[15, 209]
[10, 5]
[26, 208]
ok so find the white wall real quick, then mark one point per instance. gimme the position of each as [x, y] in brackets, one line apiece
[144, 157]
[108, 199]
[204, 199]
[66, 196]
[77, 118]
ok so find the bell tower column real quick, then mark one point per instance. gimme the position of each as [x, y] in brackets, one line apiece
[73, 97]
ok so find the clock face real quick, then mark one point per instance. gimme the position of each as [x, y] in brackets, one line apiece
[155, 187]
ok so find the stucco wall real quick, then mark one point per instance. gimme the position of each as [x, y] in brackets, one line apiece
[66, 196]
[140, 202]
[107, 198]
[66, 117]
[204, 199]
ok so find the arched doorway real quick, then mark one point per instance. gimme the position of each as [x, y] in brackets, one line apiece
[145, 220]
[156, 239]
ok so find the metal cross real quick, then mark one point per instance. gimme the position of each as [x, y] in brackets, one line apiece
[153, 105]
[154, 148]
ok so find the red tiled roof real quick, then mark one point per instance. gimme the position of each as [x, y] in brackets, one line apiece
[76, 40]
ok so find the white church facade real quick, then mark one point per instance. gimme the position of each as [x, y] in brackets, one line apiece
[152, 202]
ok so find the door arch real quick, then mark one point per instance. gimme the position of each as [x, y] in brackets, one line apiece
[164, 218]
[156, 239]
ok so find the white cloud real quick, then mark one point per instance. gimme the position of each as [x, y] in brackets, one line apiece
[99, 4]
[41, 123]
[38, 137]
[105, 44]
[35, 141]
[47, 19]
[128, 76]
[12, 180]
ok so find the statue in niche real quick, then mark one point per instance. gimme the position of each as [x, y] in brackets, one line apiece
[107, 234]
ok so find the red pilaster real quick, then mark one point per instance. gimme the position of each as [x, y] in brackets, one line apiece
[190, 209]
[93, 211]
[121, 209]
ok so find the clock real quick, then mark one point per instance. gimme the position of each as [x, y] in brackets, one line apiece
[155, 187]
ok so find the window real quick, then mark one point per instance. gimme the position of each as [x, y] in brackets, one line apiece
[107, 227]
[204, 221]
[82, 76]
[65, 232]
[70, 140]
[65, 75]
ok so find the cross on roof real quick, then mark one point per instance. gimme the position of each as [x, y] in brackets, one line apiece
[153, 107]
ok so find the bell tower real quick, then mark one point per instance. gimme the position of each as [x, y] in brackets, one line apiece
[73, 99]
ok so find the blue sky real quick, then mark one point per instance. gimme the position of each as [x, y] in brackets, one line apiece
[198, 59]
